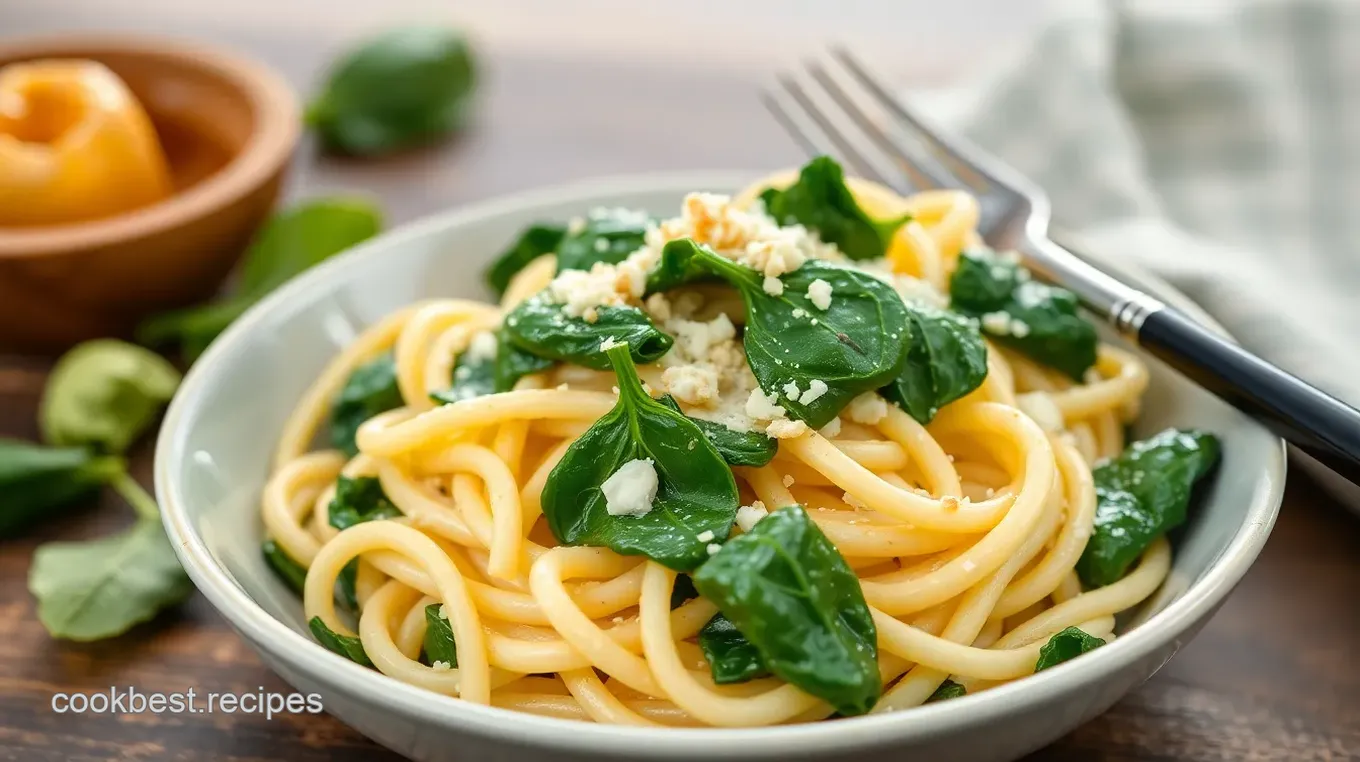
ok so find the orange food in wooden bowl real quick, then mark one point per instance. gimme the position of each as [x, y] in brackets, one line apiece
[77, 262]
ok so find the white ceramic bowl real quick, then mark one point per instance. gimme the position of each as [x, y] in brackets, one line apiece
[214, 455]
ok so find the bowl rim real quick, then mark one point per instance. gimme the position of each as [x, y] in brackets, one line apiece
[281, 642]
[270, 144]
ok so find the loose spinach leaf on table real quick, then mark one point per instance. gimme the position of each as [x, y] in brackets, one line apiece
[348, 646]
[104, 394]
[857, 344]
[290, 242]
[947, 690]
[1036, 319]
[101, 588]
[404, 87]
[1067, 644]
[791, 594]
[370, 389]
[1141, 495]
[946, 359]
[608, 235]
[731, 657]
[820, 201]
[359, 499]
[543, 330]
[534, 242]
[36, 480]
[696, 491]
[737, 448]
[479, 376]
[439, 645]
[292, 573]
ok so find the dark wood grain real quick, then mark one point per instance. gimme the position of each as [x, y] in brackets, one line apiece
[1272, 676]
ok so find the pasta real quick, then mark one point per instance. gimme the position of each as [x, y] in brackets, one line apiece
[964, 533]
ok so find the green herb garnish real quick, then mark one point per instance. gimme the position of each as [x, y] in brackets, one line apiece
[820, 201]
[370, 389]
[1067, 644]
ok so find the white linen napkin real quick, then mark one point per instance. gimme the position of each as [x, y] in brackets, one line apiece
[1216, 144]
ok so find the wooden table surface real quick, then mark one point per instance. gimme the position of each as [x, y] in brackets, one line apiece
[1271, 677]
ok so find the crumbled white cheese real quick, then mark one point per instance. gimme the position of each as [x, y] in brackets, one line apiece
[819, 293]
[601, 245]
[853, 501]
[968, 566]
[748, 515]
[658, 307]
[868, 408]
[762, 407]
[608, 344]
[772, 285]
[713, 548]
[791, 391]
[576, 225]
[631, 490]
[482, 347]
[705, 536]
[1019, 328]
[814, 391]
[1032, 294]
[441, 666]
[798, 312]
[787, 480]
[783, 428]
[692, 384]
[997, 323]
[694, 340]
[1041, 408]
[832, 429]
[443, 612]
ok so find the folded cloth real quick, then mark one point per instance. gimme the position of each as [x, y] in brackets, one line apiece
[1216, 144]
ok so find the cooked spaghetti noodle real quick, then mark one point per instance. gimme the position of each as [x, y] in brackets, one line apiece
[964, 533]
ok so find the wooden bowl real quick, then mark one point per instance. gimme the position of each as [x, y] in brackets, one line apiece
[228, 125]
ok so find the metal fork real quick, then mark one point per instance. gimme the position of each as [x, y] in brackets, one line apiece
[859, 113]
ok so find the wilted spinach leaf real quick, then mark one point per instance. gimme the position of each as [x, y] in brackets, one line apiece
[608, 235]
[1068, 644]
[731, 657]
[439, 645]
[359, 499]
[478, 376]
[947, 690]
[534, 242]
[1036, 319]
[542, 329]
[819, 201]
[946, 359]
[36, 480]
[348, 646]
[784, 587]
[371, 389]
[696, 493]
[103, 394]
[737, 448]
[292, 573]
[1141, 495]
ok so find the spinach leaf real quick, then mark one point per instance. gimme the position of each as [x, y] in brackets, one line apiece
[1068, 644]
[1141, 495]
[542, 329]
[348, 646]
[101, 588]
[731, 657]
[292, 573]
[737, 448]
[290, 242]
[476, 377]
[683, 591]
[345, 585]
[609, 235]
[359, 499]
[676, 267]
[534, 242]
[36, 480]
[371, 389]
[404, 87]
[1036, 319]
[696, 494]
[820, 202]
[439, 645]
[795, 598]
[946, 359]
[103, 394]
[858, 344]
[947, 690]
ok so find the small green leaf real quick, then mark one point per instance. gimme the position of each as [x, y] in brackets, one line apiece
[857, 344]
[345, 585]
[820, 201]
[36, 481]
[608, 235]
[1068, 644]
[784, 587]
[1036, 319]
[731, 657]
[371, 389]
[439, 645]
[696, 494]
[104, 394]
[947, 690]
[101, 588]
[946, 359]
[290, 242]
[1141, 495]
[737, 448]
[683, 591]
[542, 329]
[359, 499]
[534, 242]
[477, 376]
[402, 88]
[292, 573]
[348, 646]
